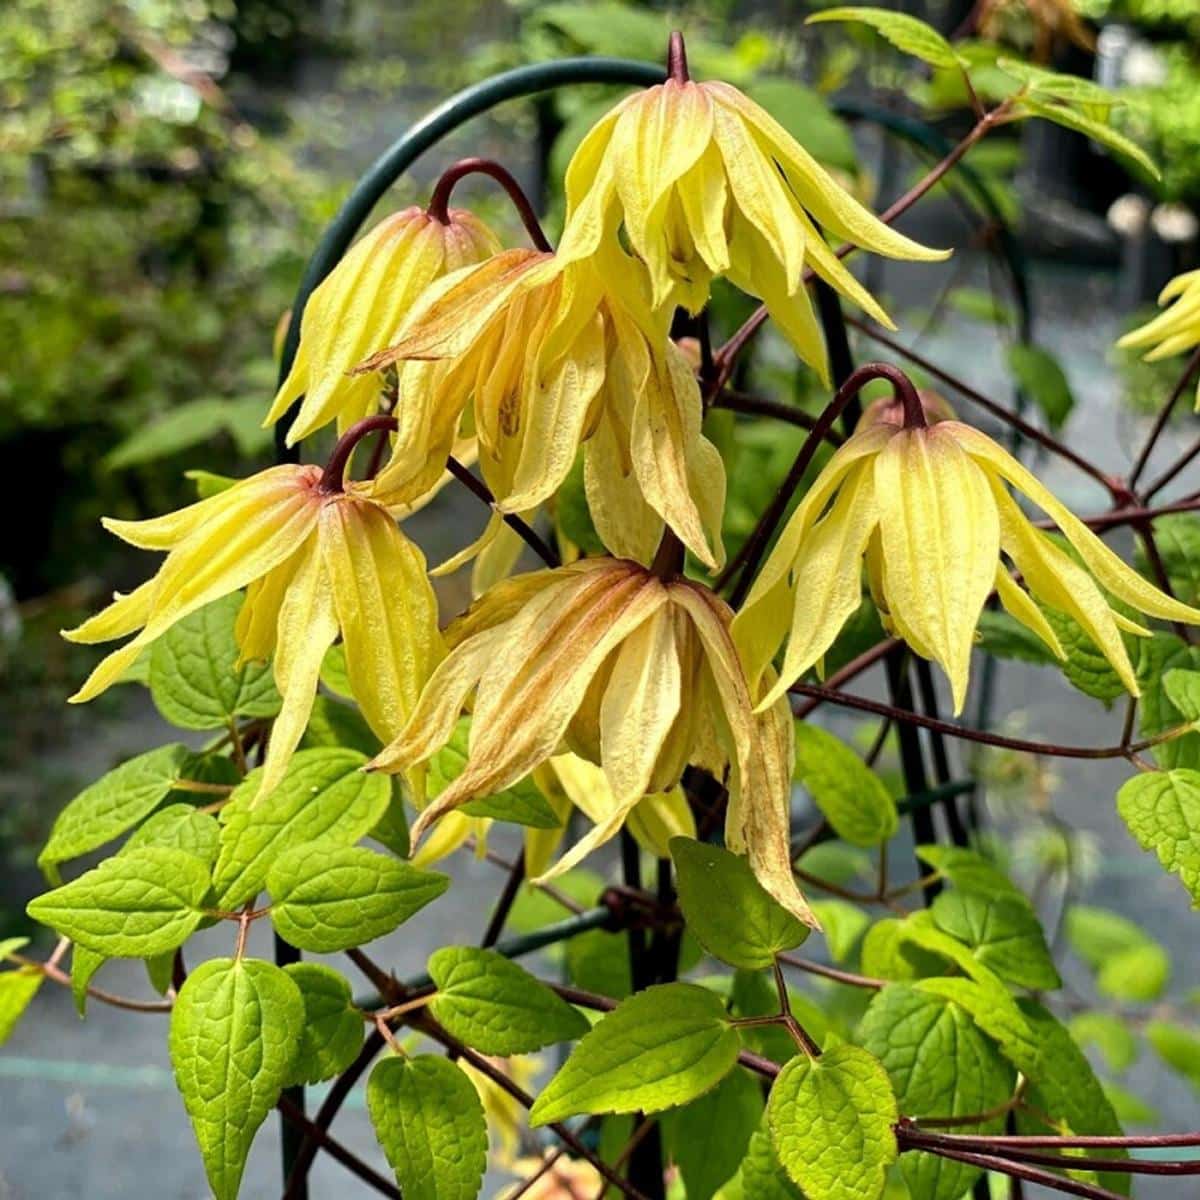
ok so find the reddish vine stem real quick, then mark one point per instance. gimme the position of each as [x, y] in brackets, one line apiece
[756, 544]
[994, 1162]
[1032, 432]
[439, 202]
[907, 716]
[335, 1149]
[758, 406]
[427, 1025]
[56, 975]
[677, 64]
[333, 478]
[1169, 474]
[508, 897]
[1164, 415]
[523, 530]
[727, 354]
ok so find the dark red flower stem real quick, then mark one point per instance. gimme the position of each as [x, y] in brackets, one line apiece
[333, 478]
[439, 202]
[677, 64]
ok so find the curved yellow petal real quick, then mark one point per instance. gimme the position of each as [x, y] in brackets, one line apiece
[1021, 608]
[829, 563]
[1110, 570]
[307, 628]
[1055, 579]
[940, 539]
[385, 607]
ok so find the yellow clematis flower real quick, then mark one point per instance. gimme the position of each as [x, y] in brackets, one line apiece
[554, 355]
[316, 559]
[629, 670]
[365, 300]
[928, 508]
[706, 183]
[569, 782]
[1175, 330]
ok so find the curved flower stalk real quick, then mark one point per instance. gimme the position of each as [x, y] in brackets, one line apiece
[633, 672]
[316, 560]
[551, 355]
[1175, 330]
[706, 183]
[928, 509]
[365, 300]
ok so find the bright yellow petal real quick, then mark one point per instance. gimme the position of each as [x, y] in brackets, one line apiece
[307, 628]
[124, 615]
[674, 463]
[1055, 579]
[527, 700]
[1108, 568]
[1021, 608]
[829, 564]
[659, 817]
[639, 706]
[940, 537]
[385, 607]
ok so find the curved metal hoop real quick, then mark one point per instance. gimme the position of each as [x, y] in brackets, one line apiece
[419, 137]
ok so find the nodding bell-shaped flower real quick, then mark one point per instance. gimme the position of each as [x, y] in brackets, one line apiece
[1175, 330]
[316, 559]
[630, 670]
[706, 183]
[927, 507]
[364, 301]
[552, 356]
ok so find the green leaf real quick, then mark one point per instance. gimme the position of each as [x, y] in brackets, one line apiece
[849, 794]
[762, 1175]
[326, 897]
[1183, 690]
[391, 830]
[1098, 131]
[980, 305]
[661, 1047]
[17, 990]
[1157, 657]
[84, 965]
[969, 870]
[235, 1033]
[806, 115]
[208, 483]
[183, 426]
[114, 803]
[728, 910]
[11, 946]
[572, 515]
[194, 677]
[1177, 536]
[179, 827]
[1179, 1048]
[333, 1027]
[994, 1010]
[940, 1065]
[333, 723]
[831, 1123]
[496, 1006]
[1130, 1109]
[1162, 811]
[523, 803]
[324, 796]
[1003, 636]
[1072, 88]
[334, 674]
[1065, 1087]
[160, 970]
[1109, 1035]
[709, 1137]
[132, 905]
[1129, 964]
[904, 32]
[1085, 667]
[429, 1120]
[843, 924]
[1039, 373]
[1004, 934]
